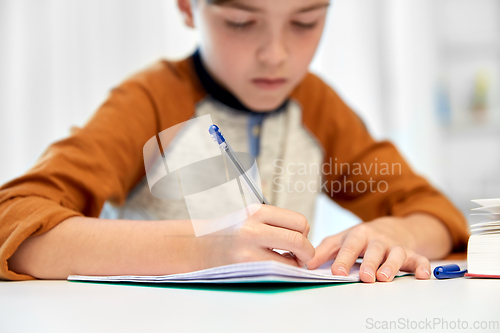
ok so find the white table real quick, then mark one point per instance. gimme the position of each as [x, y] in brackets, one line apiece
[61, 306]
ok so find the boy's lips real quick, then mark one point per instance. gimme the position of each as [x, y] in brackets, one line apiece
[269, 84]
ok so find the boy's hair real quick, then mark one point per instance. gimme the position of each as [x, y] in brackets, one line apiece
[217, 2]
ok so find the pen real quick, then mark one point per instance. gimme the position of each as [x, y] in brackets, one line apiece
[250, 184]
[450, 271]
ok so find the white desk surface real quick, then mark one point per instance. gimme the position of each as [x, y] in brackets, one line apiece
[61, 306]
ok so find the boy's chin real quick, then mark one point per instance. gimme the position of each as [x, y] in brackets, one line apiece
[263, 105]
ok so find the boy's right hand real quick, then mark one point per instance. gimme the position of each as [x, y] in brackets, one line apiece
[255, 238]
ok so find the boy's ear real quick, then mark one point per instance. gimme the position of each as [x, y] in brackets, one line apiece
[187, 12]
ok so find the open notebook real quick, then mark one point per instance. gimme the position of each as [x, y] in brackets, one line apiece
[251, 272]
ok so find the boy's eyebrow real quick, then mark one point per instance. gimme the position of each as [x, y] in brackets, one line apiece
[314, 7]
[242, 6]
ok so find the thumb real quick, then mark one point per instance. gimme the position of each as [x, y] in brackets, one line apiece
[325, 251]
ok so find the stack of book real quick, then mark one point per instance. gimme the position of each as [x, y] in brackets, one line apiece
[483, 252]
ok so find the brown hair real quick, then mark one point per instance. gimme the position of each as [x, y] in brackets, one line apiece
[217, 2]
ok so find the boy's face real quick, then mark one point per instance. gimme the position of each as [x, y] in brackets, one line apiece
[258, 49]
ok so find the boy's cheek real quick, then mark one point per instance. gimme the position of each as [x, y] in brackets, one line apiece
[232, 59]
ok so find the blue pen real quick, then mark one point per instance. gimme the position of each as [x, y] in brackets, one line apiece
[450, 271]
[250, 184]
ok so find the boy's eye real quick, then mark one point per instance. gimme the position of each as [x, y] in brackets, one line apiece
[304, 25]
[239, 25]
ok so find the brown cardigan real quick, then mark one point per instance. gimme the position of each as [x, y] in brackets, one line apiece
[103, 160]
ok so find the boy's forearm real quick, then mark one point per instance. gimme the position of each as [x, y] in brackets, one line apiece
[91, 246]
[431, 237]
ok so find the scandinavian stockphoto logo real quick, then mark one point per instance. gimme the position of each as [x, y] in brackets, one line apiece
[183, 163]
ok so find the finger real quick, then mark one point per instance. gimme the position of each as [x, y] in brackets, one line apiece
[306, 232]
[418, 264]
[350, 250]
[395, 259]
[373, 257]
[326, 251]
[288, 240]
[283, 218]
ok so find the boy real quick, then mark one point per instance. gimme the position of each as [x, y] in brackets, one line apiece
[251, 69]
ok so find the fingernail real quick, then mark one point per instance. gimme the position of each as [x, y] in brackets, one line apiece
[426, 271]
[343, 270]
[386, 271]
[369, 271]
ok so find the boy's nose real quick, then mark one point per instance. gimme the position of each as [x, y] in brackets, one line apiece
[273, 52]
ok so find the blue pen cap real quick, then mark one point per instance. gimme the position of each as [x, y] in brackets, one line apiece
[216, 134]
[450, 271]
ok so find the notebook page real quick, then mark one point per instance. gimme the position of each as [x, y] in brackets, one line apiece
[260, 271]
[250, 272]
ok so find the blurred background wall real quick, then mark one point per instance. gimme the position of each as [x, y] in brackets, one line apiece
[422, 73]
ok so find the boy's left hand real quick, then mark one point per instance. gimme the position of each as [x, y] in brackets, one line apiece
[385, 244]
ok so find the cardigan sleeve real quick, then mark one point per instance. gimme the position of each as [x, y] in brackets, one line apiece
[75, 176]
